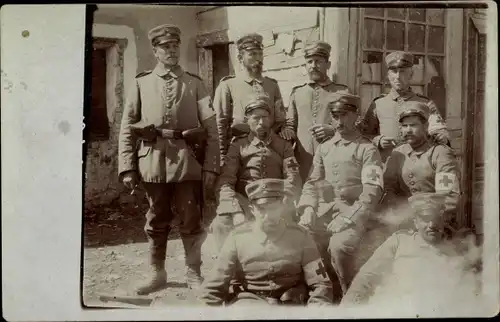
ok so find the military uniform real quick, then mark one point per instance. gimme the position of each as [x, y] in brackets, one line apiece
[352, 167]
[232, 92]
[251, 159]
[406, 267]
[272, 266]
[428, 168]
[172, 100]
[381, 118]
[308, 107]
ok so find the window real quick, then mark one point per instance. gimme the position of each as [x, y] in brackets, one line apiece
[419, 31]
[98, 117]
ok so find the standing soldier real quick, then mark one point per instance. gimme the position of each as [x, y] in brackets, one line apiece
[232, 92]
[308, 119]
[380, 120]
[164, 112]
[351, 164]
[277, 260]
[260, 154]
[420, 165]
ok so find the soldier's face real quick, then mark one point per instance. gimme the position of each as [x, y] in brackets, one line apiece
[168, 53]
[259, 122]
[252, 60]
[400, 77]
[317, 67]
[268, 216]
[413, 129]
[345, 121]
[430, 225]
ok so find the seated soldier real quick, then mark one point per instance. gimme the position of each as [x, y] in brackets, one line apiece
[258, 154]
[277, 260]
[413, 266]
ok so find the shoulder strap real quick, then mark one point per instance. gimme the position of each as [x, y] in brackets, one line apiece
[194, 75]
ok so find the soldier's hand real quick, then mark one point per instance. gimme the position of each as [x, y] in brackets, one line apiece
[339, 224]
[387, 142]
[130, 179]
[308, 218]
[322, 131]
[288, 134]
[238, 218]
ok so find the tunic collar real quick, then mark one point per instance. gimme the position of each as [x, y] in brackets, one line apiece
[163, 71]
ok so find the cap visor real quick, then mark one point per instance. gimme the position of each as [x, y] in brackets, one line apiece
[267, 200]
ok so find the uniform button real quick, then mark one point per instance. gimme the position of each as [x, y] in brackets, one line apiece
[412, 182]
[413, 190]
[410, 175]
[263, 165]
[335, 173]
[335, 165]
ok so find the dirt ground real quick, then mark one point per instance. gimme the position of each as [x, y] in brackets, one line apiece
[115, 257]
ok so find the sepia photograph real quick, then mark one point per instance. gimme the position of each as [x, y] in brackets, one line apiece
[298, 156]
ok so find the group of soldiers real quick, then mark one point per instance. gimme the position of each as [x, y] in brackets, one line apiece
[304, 193]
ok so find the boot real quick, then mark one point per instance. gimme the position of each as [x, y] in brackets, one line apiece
[193, 276]
[157, 283]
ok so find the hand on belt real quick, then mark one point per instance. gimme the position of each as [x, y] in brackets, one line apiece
[170, 134]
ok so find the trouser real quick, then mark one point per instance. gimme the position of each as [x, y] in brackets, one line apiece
[165, 201]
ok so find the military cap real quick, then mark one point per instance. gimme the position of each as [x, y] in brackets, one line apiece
[256, 101]
[163, 34]
[428, 202]
[265, 191]
[344, 102]
[319, 48]
[399, 59]
[412, 108]
[249, 41]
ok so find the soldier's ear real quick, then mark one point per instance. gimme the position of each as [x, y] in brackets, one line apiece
[240, 57]
[410, 73]
[328, 64]
[245, 119]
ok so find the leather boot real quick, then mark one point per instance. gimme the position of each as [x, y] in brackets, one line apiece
[158, 281]
[193, 276]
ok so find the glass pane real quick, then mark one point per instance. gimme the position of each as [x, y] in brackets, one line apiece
[435, 16]
[378, 12]
[395, 35]
[396, 13]
[371, 68]
[417, 14]
[416, 38]
[374, 34]
[436, 40]
[418, 70]
[367, 94]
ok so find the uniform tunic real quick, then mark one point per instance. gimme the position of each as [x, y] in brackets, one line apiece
[169, 99]
[309, 106]
[268, 265]
[230, 98]
[250, 159]
[381, 119]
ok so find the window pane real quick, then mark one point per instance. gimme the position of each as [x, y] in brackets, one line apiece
[396, 13]
[418, 70]
[435, 16]
[416, 38]
[374, 35]
[371, 68]
[436, 40]
[417, 14]
[367, 94]
[378, 12]
[395, 35]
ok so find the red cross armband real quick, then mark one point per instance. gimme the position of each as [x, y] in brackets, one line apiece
[315, 272]
[447, 182]
[372, 174]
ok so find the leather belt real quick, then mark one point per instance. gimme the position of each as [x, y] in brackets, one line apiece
[170, 134]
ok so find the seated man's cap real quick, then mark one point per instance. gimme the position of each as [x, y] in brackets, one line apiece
[164, 34]
[428, 202]
[412, 108]
[255, 101]
[344, 102]
[250, 41]
[319, 48]
[400, 59]
[264, 191]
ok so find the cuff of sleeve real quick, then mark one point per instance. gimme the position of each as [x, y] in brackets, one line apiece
[227, 207]
[126, 167]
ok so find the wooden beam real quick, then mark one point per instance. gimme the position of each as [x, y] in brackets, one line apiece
[213, 38]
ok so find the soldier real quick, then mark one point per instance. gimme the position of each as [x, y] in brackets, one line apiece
[232, 92]
[308, 119]
[260, 154]
[380, 120]
[351, 164]
[278, 260]
[420, 165]
[170, 103]
[408, 264]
